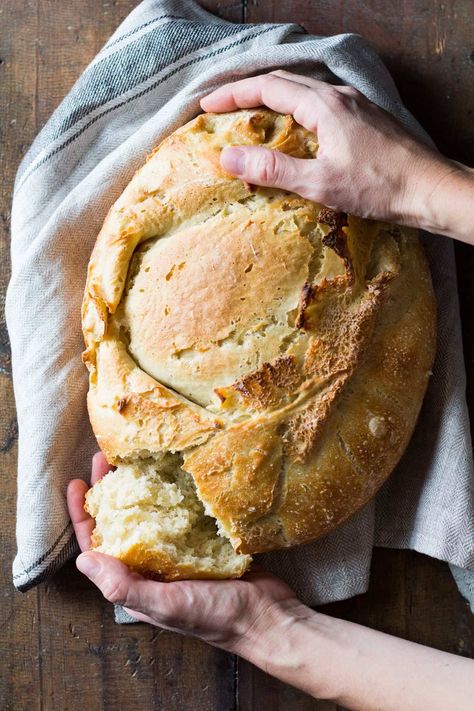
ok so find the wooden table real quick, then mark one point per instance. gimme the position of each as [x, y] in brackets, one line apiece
[60, 648]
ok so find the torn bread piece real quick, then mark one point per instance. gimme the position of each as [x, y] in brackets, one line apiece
[148, 515]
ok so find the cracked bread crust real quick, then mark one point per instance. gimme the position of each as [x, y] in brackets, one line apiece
[283, 349]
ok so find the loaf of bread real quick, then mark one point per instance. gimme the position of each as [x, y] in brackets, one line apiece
[257, 361]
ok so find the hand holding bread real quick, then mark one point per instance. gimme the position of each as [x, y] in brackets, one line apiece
[260, 619]
[368, 164]
[219, 614]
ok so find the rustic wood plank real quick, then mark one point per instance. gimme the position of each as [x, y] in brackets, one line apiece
[19, 645]
[232, 10]
[68, 37]
[258, 690]
[126, 666]
[60, 647]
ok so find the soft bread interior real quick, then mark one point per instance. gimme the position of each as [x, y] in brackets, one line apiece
[147, 514]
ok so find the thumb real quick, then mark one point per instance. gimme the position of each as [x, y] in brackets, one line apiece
[115, 581]
[271, 168]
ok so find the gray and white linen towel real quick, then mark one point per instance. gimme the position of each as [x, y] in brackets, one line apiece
[143, 84]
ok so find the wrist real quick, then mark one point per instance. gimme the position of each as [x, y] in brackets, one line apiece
[443, 202]
[426, 171]
[296, 645]
[452, 204]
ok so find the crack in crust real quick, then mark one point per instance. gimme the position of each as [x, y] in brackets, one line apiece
[305, 299]
[267, 387]
[336, 237]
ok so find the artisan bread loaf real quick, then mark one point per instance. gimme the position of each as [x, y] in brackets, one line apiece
[257, 361]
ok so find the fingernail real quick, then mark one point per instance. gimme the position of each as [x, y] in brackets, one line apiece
[88, 564]
[233, 160]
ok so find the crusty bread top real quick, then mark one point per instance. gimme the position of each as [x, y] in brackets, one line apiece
[282, 348]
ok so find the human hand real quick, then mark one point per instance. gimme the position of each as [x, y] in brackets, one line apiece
[259, 618]
[237, 615]
[368, 164]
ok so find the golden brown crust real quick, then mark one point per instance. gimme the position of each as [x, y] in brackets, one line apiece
[159, 566]
[133, 415]
[282, 348]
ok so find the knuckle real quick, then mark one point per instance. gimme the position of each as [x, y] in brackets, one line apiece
[342, 100]
[331, 93]
[281, 74]
[351, 91]
[175, 609]
[268, 79]
[267, 169]
[334, 101]
[116, 592]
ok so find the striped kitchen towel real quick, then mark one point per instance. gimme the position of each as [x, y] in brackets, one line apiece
[143, 84]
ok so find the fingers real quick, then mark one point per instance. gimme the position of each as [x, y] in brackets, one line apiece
[147, 600]
[115, 581]
[298, 78]
[100, 467]
[301, 79]
[276, 92]
[77, 489]
[263, 166]
[83, 524]
[317, 84]
[303, 97]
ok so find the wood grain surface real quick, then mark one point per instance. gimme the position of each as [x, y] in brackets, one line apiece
[60, 648]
